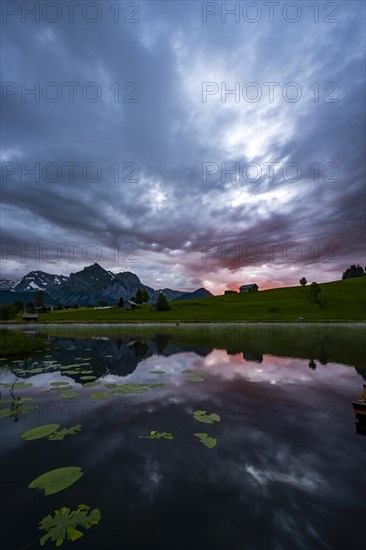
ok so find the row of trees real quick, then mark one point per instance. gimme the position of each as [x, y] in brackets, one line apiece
[354, 271]
[351, 272]
[142, 297]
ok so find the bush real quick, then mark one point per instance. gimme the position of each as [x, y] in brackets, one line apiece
[314, 290]
[162, 303]
[354, 271]
[7, 312]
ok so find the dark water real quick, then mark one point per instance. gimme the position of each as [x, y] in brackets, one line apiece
[288, 470]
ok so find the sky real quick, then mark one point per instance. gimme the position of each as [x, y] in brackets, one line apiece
[189, 145]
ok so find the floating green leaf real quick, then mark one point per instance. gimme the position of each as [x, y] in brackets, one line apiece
[132, 388]
[87, 377]
[111, 386]
[69, 394]
[187, 371]
[206, 440]
[85, 371]
[157, 435]
[202, 416]
[19, 409]
[153, 386]
[17, 400]
[59, 383]
[61, 434]
[196, 379]
[70, 372]
[91, 384]
[64, 388]
[157, 372]
[35, 370]
[40, 431]
[57, 480]
[18, 385]
[63, 524]
[99, 395]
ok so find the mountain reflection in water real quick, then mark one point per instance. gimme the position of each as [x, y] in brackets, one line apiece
[287, 470]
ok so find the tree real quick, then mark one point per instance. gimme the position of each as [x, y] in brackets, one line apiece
[354, 271]
[18, 306]
[39, 298]
[121, 302]
[141, 296]
[162, 303]
[314, 291]
[7, 312]
[312, 364]
[303, 281]
[29, 307]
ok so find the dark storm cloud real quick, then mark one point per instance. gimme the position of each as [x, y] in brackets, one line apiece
[171, 211]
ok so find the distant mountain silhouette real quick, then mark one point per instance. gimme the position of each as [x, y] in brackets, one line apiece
[86, 287]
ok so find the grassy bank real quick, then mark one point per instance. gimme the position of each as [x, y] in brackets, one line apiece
[16, 342]
[338, 301]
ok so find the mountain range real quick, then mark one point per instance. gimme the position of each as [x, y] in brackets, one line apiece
[87, 287]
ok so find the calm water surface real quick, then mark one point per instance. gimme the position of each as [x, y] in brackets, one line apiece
[287, 472]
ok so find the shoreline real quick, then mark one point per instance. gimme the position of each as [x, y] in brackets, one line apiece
[188, 324]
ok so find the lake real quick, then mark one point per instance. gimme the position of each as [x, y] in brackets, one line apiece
[199, 437]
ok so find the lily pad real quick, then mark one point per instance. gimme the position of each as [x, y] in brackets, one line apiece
[19, 409]
[56, 480]
[40, 432]
[19, 385]
[196, 379]
[111, 386]
[99, 395]
[202, 416]
[59, 383]
[187, 371]
[206, 440]
[35, 371]
[18, 401]
[64, 388]
[87, 377]
[132, 388]
[61, 434]
[63, 524]
[69, 394]
[157, 372]
[91, 384]
[157, 435]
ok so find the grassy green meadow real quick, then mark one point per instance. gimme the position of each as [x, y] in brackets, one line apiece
[338, 301]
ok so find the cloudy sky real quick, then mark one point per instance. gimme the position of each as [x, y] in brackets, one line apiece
[132, 152]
